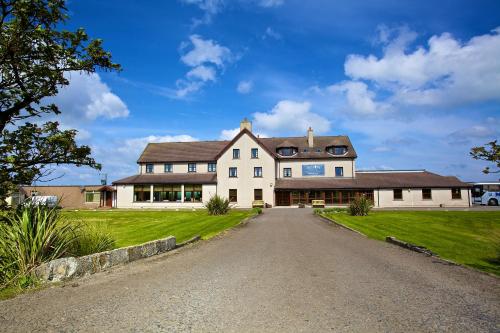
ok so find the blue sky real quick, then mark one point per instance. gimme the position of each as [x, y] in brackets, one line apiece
[413, 84]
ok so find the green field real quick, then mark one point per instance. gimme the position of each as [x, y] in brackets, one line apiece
[469, 238]
[129, 227]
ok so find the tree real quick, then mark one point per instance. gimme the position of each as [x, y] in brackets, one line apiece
[35, 54]
[489, 152]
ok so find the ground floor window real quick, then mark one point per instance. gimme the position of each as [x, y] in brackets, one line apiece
[456, 193]
[426, 194]
[233, 195]
[170, 193]
[92, 196]
[331, 197]
[257, 194]
[397, 194]
[142, 193]
[192, 193]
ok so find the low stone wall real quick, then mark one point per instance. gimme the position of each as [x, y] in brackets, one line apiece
[72, 267]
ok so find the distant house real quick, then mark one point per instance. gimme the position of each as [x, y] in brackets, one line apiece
[72, 196]
[281, 171]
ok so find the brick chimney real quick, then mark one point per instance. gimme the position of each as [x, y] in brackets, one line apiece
[310, 137]
[245, 123]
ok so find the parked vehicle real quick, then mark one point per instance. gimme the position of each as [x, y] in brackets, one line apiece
[486, 193]
[49, 200]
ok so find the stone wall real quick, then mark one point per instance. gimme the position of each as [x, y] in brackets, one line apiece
[71, 267]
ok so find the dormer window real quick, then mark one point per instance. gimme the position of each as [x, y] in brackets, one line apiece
[287, 151]
[337, 150]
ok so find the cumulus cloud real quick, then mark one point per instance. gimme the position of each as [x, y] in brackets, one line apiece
[135, 146]
[244, 87]
[205, 57]
[271, 3]
[290, 116]
[87, 97]
[229, 134]
[209, 7]
[445, 72]
[359, 98]
[271, 33]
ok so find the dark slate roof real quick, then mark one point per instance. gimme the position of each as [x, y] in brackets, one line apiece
[368, 180]
[169, 178]
[205, 151]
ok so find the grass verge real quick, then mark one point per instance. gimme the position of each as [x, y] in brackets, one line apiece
[468, 238]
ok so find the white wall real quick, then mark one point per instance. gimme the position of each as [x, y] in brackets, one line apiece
[125, 199]
[245, 183]
[413, 198]
[201, 167]
[296, 166]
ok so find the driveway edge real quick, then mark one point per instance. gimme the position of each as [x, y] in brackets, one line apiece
[331, 221]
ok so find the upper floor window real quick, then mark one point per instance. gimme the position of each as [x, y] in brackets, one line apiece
[257, 172]
[149, 168]
[339, 172]
[287, 151]
[426, 194]
[168, 167]
[212, 167]
[191, 167]
[236, 153]
[233, 172]
[456, 193]
[287, 172]
[255, 153]
[337, 150]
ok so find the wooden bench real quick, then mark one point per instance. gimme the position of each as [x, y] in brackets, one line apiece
[258, 203]
[318, 203]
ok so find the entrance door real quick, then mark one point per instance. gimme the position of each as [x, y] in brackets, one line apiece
[282, 198]
[109, 199]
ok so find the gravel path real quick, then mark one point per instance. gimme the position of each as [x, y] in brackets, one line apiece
[284, 271]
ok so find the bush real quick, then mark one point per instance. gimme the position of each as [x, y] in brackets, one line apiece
[317, 211]
[335, 210]
[33, 234]
[258, 210]
[91, 238]
[217, 205]
[360, 206]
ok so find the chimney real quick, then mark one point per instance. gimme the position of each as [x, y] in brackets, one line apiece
[310, 137]
[245, 123]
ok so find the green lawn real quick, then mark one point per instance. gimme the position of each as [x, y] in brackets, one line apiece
[138, 226]
[469, 238]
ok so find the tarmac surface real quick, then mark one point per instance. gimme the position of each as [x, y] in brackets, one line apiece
[285, 271]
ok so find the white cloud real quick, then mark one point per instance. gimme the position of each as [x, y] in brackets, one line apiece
[229, 134]
[271, 3]
[203, 55]
[205, 51]
[133, 147]
[270, 32]
[87, 97]
[290, 116]
[203, 73]
[209, 7]
[445, 72]
[244, 87]
[359, 98]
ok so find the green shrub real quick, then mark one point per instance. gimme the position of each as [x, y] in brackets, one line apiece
[33, 234]
[91, 238]
[360, 206]
[334, 210]
[317, 211]
[217, 205]
[258, 210]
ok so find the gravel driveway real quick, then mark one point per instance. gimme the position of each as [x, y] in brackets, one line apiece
[284, 271]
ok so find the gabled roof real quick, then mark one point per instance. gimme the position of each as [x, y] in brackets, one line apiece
[206, 151]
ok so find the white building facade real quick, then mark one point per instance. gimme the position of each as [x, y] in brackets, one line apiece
[283, 171]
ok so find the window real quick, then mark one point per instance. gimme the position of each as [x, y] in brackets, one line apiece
[287, 172]
[257, 172]
[337, 150]
[142, 193]
[170, 193]
[456, 193]
[257, 194]
[233, 172]
[305, 150]
[92, 196]
[192, 193]
[397, 194]
[149, 168]
[287, 151]
[212, 167]
[339, 171]
[34, 193]
[236, 154]
[426, 194]
[191, 167]
[233, 195]
[168, 167]
[255, 153]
